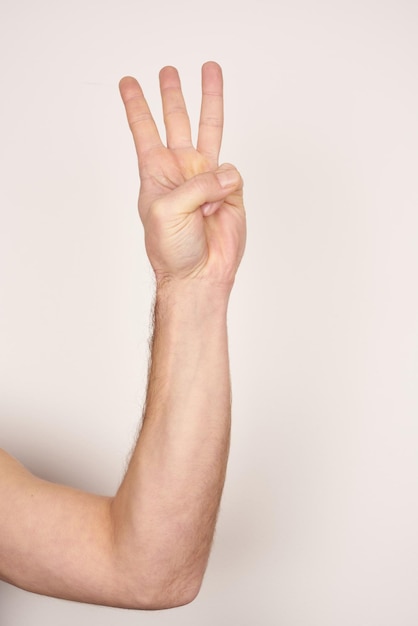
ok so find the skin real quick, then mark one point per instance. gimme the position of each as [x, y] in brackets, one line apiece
[148, 546]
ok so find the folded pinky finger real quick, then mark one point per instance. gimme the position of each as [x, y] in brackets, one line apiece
[209, 208]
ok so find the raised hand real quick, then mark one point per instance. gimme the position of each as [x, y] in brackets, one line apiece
[191, 208]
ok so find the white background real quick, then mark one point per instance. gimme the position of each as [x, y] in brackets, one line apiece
[319, 519]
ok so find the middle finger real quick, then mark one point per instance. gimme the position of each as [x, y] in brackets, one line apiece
[176, 119]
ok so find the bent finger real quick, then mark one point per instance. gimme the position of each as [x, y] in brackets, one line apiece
[206, 188]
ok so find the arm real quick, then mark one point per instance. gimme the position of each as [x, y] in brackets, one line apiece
[148, 546]
[168, 502]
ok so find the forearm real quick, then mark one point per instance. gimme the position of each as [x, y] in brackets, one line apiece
[165, 510]
[148, 546]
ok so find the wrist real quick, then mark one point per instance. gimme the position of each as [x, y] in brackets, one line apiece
[193, 290]
[193, 302]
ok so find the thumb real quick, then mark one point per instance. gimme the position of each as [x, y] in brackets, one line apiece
[202, 189]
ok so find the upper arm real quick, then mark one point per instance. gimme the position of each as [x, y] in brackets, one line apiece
[55, 540]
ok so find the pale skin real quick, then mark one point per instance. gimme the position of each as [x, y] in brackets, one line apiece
[148, 546]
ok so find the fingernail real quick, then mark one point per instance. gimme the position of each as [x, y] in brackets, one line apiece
[206, 208]
[227, 178]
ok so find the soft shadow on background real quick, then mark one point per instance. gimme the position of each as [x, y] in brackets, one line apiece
[319, 515]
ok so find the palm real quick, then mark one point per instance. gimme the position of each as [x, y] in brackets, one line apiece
[188, 241]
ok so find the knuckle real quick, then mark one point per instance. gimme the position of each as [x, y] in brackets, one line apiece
[212, 121]
[138, 118]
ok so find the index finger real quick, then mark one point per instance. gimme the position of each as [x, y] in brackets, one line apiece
[141, 122]
[211, 113]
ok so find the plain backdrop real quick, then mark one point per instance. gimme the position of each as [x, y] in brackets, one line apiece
[319, 519]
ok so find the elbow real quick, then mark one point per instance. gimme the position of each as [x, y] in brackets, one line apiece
[166, 597]
[168, 600]
[147, 594]
[155, 575]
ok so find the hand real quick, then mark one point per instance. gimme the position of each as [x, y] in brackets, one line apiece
[192, 209]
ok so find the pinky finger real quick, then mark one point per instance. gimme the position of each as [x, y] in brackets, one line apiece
[209, 208]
